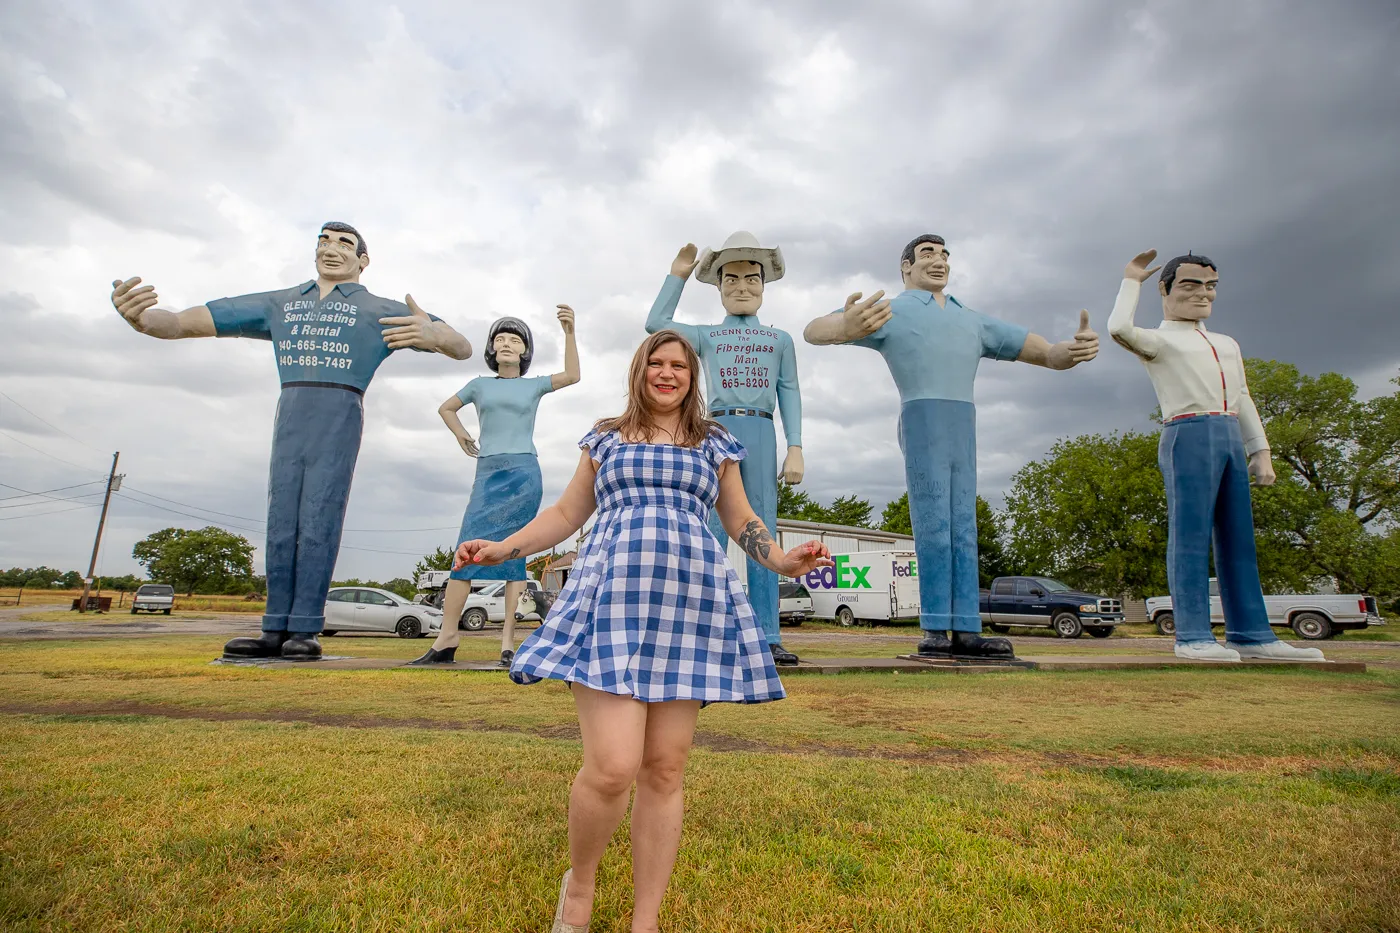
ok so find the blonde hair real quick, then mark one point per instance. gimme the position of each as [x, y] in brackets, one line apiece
[639, 421]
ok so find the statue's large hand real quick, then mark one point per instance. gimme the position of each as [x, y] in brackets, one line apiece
[793, 467]
[132, 302]
[1085, 345]
[566, 318]
[1138, 270]
[685, 262]
[1261, 468]
[863, 318]
[416, 330]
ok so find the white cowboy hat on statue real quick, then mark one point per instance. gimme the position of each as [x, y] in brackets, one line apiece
[740, 247]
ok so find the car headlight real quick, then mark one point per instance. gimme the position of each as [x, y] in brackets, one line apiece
[1089, 607]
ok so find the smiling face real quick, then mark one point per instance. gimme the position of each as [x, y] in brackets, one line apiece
[741, 288]
[335, 256]
[668, 378]
[929, 269]
[1193, 293]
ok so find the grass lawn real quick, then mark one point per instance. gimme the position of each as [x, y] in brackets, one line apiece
[142, 788]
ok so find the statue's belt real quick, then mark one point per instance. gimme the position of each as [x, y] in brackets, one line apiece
[323, 385]
[742, 411]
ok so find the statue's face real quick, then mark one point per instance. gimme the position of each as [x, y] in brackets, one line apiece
[741, 288]
[929, 270]
[509, 349]
[1193, 293]
[335, 256]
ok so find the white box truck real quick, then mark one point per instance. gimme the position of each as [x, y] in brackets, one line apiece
[868, 586]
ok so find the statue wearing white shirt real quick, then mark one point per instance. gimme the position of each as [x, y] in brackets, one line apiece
[1212, 446]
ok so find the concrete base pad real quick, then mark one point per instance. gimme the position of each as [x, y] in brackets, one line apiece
[904, 664]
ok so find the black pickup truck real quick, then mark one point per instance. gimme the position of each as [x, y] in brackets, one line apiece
[1047, 603]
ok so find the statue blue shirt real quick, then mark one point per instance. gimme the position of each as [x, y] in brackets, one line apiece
[506, 410]
[747, 364]
[933, 351]
[334, 339]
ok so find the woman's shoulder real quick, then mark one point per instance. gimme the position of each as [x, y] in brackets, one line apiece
[600, 439]
[720, 446]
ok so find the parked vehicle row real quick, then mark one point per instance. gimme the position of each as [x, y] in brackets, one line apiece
[153, 597]
[366, 609]
[1311, 617]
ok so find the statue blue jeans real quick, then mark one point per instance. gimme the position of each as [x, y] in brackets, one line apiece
[759, 471]
[1206, 472]
[315, 443]
[939, 440]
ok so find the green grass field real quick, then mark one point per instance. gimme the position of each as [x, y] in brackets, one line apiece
[142, 788]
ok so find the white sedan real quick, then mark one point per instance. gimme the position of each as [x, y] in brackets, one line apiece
[488, 604]
[362, 609]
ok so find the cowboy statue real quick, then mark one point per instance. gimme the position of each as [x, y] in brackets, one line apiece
[933, 344]
[750, 372]
[1213, 445]
[329, 335]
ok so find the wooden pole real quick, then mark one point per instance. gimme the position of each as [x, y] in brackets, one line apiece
[97, 542]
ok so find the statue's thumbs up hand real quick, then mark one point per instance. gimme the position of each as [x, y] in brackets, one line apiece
[1086, 343]
[413, 330]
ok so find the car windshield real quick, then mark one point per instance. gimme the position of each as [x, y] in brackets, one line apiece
[792, 591]
[156, 590]
[1052, 585]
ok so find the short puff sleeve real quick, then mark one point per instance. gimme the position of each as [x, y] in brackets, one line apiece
[720, 446]
[598, 444]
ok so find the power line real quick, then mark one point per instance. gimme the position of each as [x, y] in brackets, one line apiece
[25, 494]
[200, 518]
[200, 508]
[47, 454]
[15, 518]
[25, 505]
[49, 423]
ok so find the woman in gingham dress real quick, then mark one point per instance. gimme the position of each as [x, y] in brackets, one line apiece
[653, 612]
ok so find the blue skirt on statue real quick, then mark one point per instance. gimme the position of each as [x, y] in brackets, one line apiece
[506, 495]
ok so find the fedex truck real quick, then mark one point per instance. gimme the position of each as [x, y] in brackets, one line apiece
[866, 586]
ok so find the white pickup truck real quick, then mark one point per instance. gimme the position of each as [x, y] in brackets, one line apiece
[1311, 617]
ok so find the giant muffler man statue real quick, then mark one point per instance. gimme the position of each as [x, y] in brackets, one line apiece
[1212, 446]
[330, 335]
[750, 373]
[933, 345]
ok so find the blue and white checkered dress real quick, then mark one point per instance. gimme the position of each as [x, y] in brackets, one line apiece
[653, 609]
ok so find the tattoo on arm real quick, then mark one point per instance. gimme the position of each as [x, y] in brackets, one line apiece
[514, 553]
[755, 540]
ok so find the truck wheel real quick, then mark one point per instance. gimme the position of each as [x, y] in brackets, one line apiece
[474, 620]
[167, 612]
[999, 628]
[133, 612]
[408, 627]
[1311, 626]
[1067, 625]
[329, 632]
[845, 617]
[1100, 631]
[1166, 624]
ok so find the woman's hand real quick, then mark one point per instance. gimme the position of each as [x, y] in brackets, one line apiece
[804, 559]
[482, 552]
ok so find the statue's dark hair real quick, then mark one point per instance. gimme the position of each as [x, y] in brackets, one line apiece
[338, 227]
[908, 254]
[1190, 259]
[510, 325]
[762, 274]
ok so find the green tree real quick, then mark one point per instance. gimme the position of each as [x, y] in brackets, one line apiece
[847, 510]
[794, 504]
[1334, 511]
[71, 580]
[992, 558]
[42, 577]
[1092, 512]
[439, 559]
[210, 560]
[401, 587]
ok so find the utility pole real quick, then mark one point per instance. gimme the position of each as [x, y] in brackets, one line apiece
[114, 482]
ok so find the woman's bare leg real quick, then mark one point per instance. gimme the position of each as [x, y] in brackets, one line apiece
[659, 807]
[614, 732]
[452, 602]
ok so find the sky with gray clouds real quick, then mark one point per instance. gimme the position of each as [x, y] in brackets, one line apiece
[502, 158]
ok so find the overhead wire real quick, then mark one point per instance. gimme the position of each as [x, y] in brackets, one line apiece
[49, 423]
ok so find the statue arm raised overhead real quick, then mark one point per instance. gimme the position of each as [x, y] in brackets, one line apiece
[663, 309]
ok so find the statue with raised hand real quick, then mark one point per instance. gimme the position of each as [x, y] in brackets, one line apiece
[933, 344]
[508, 487]
[1213, 445]
[750, 374]
[329, 335]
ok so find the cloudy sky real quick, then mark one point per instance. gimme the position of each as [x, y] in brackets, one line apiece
[502, 158]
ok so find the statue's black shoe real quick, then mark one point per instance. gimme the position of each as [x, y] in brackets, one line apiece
[974, 646]
[935, 645]
[507, 656]
[434, 656]
[782, 656]
[301, 646]
[266, 645]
